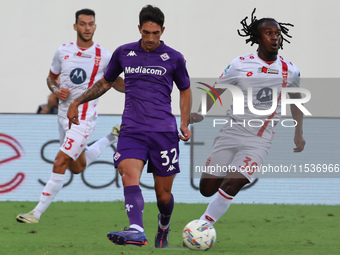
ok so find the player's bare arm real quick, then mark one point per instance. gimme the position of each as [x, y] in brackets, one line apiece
[297, 115]
[119, 85]
[53, 85]
[185, 102]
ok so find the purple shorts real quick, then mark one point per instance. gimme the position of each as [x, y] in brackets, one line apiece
[159, 149]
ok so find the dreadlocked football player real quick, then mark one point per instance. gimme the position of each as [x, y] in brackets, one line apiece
[241, 146]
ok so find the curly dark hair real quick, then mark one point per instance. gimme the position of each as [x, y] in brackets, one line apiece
[251, 30]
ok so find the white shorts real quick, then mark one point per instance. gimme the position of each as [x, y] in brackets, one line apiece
[235, 149]
[73, 141]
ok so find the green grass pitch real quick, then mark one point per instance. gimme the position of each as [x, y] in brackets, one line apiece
[81, 228]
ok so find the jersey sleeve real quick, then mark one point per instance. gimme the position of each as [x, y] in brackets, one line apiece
[295, 82]
[107, 58]
[181, 76]
[56, 64]
[114, 68]
[230, 74]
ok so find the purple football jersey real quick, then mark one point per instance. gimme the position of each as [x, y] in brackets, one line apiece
[149, 78]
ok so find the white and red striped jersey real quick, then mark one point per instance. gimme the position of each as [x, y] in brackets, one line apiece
[249, 71]
[78, 70]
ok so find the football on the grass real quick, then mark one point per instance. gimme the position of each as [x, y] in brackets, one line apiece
[199, 235]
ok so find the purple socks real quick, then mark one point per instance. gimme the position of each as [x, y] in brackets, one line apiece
[134, 205]
[166, 211]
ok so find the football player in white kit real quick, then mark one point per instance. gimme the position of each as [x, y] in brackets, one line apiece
[244, 142]
[78, 65]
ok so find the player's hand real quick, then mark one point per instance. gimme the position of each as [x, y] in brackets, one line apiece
[195, 117]
[62, 93]
[72, 115]
[299, 142]
[186, 134]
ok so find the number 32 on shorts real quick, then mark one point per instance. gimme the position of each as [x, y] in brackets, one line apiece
[167, 156]
[249, 167]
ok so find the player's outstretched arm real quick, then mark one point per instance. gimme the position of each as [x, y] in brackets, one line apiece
[185, 105]
[298, 117]
[95, 91]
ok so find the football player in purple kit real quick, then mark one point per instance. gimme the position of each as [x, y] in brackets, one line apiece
[149, 129]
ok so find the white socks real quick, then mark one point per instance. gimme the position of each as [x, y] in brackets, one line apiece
[163, 226]
[139, 228]
[217, 207]
[112, 138]
[93, 152]
[52, 187]
[56, 182]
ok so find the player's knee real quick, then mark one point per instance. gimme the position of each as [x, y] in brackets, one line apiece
[76, 167]
[60, 165]
[163, 197]
[129, 179]
[76, 170]
[206, 191]
[209, 186]
[233, 185]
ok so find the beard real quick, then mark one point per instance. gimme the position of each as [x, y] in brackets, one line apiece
[273, 53]
[84, 39]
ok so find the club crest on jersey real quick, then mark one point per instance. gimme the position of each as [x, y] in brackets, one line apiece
[97, 60]
[78, 75]
[165, 57]
[264, 69]
[82, 55]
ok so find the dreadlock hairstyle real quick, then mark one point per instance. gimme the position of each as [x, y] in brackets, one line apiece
[252, 32]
